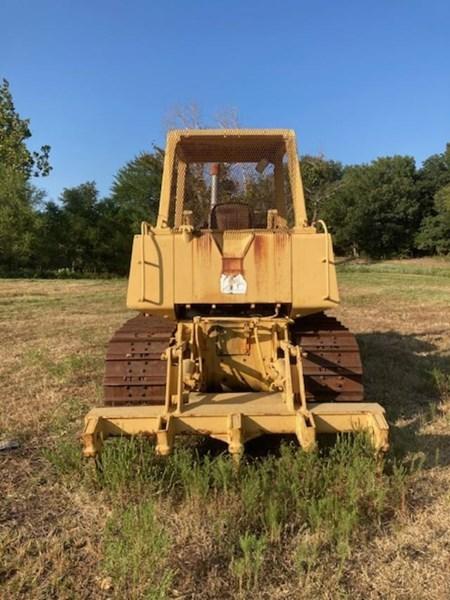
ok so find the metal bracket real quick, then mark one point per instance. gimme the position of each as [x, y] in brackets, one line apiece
[235, 436]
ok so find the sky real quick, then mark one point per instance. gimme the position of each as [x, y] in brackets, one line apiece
[99, 79]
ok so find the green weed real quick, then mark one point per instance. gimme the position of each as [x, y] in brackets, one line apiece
[307, 553]
[130, 467]
[330, 492]
[135, 551]
[66, 458]
[324, 498]
[247, 567]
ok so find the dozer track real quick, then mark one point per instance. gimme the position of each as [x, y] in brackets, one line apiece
[134, 371]
[136, 375]
[331, 360]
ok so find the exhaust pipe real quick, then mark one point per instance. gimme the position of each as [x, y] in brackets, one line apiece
[214, 181]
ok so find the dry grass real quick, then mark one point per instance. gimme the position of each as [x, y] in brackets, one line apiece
[69, 532]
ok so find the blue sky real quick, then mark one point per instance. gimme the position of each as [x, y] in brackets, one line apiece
[98, 78]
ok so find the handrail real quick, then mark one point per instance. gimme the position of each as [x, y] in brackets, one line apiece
[145, 229]
[326, 260]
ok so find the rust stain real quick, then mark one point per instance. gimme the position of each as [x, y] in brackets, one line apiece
[282, 245]
[202, 248]
[281, 240]
[232, 266]
[260, 249]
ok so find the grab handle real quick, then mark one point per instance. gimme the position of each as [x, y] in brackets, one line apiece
[326, 260]
[145, 230]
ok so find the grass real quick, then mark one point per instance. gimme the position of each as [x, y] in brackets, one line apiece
[331, 524]
[135, 549]
[249, 515]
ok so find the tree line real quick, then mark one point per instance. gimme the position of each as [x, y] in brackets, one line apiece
[387, 208]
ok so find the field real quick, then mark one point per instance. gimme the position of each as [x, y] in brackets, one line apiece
[334, 524]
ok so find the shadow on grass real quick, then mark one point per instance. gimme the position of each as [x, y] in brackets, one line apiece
[407, 375]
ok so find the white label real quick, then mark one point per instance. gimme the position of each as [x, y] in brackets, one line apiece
[233, 284]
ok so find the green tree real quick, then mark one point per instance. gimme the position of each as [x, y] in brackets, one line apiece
[376, 209]
[79, 223]
[115, 237]
[136, 188]
[18, 223]
[321, 178]
[18, 198]
[82, 233]
[134, 198]
[50, 246]
[14, 132]
[432, 176]
[434, 234]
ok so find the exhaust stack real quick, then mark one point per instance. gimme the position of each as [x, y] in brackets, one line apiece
[214, 181]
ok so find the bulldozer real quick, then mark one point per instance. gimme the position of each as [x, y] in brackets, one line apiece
[232, 339]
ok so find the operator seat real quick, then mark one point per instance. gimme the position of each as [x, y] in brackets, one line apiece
[231, 215]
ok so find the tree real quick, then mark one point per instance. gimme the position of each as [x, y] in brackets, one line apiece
[136, 188]
[376, 209]
[18, 198]
[14, 132]
[83, 233]
[134, 198]
[18, 201]
[432, 176]
[321, 178]
[51, 243]
[434, 234]
[80, 225]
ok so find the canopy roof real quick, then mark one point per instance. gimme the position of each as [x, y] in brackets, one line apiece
[230, 145]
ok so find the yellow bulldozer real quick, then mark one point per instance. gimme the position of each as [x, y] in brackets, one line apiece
[232, 340]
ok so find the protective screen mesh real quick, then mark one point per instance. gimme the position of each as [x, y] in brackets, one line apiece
[249, 169]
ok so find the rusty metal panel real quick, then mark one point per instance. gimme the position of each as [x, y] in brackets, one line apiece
[263, 258]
